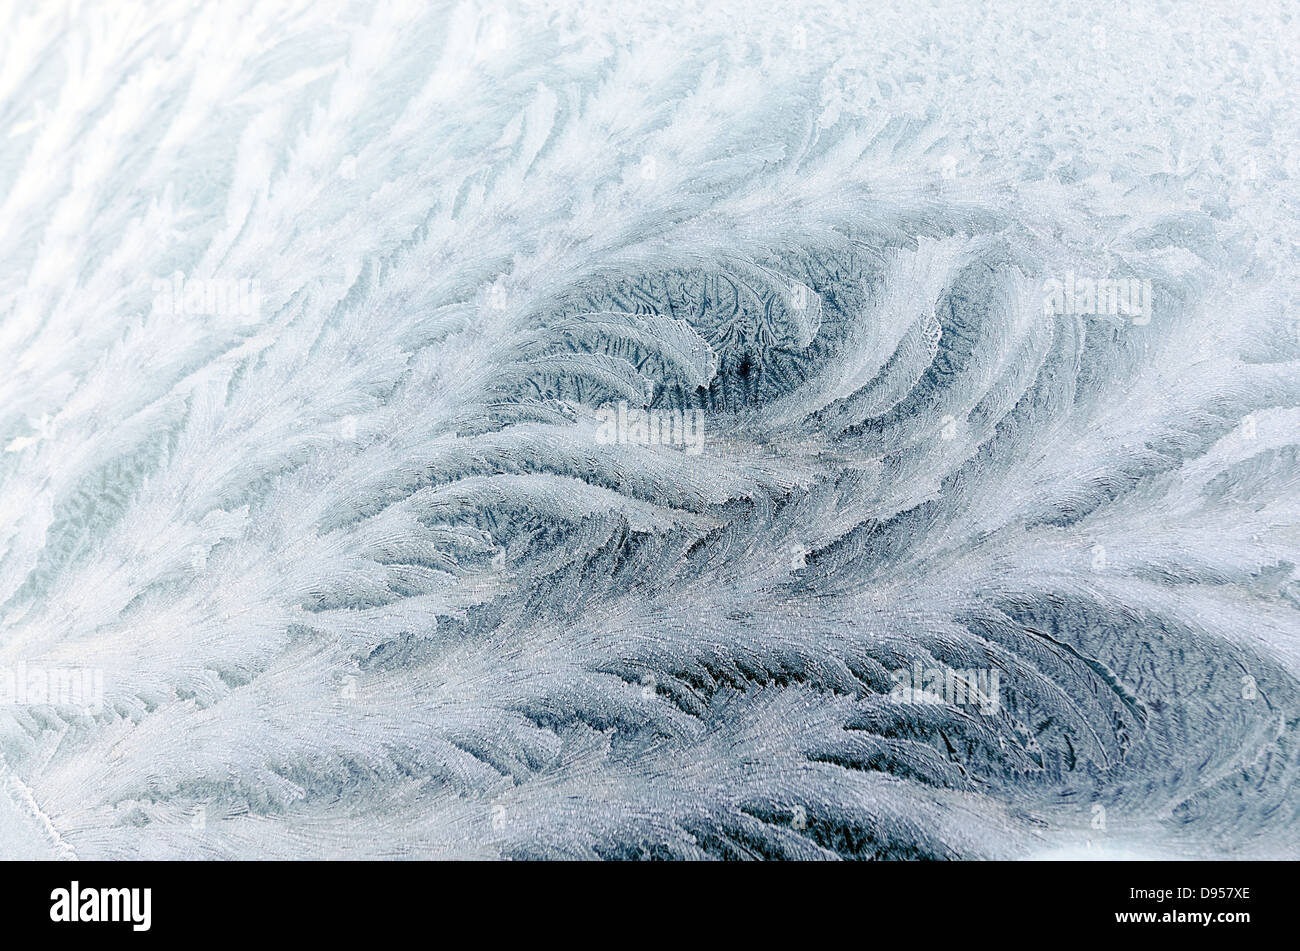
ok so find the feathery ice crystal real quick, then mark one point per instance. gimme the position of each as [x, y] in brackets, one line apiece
[520, 430]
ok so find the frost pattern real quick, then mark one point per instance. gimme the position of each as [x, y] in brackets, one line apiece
[364, 578]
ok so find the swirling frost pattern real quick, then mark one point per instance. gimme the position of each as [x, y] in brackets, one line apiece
[363, 579]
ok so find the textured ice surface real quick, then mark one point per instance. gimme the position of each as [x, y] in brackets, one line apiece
[585, 431]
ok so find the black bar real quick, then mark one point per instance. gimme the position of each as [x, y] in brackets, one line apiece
[915, 902]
